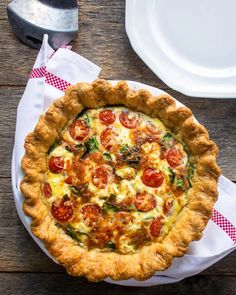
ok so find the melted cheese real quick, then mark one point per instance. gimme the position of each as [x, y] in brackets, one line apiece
[62, 152]
[125, 172]
[58, 186]
[126, 246]
[130, 182]
[125, 190]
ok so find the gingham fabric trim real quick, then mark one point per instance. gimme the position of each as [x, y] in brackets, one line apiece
[37, 72]
[56, 81]
[50, 78]
[224, 224]
[61, 84]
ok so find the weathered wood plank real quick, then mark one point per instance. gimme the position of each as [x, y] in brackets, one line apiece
[9, 98]
[16, 58]
[219, 116]
[5, 185]
[101, 38]
[3, 12]
[18, 250]
[20, 253]
[20, 283]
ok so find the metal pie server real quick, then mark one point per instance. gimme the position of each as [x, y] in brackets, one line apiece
[31, 19]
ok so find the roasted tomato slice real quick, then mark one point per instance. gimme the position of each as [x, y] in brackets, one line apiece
[79, 130]
[149, 133]
[91, 213]
[62, 211]
[152, 128]
[145, 202]
[129, 120]
[155, 227]
[84, 192]
[56, 164]
[47, 190]
[69, 179]
[152, 132]
[101, 176]
[168, 206]
[151, 177]
[174, 157]
[122, 218]
[107, 117]
[108, 137]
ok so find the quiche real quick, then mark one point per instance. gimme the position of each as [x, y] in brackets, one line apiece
[118, 182]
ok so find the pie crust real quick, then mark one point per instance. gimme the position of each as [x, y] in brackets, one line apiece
[95, 264]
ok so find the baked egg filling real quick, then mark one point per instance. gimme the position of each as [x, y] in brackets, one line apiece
[116, 179]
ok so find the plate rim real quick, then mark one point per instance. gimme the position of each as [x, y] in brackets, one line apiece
[129, 27]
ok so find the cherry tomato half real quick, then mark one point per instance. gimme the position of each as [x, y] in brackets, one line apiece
[129, 120]
[47, 190]
[145, 202]
[174, 157]
[108, 137]
[56, 164]
[62, 211]
[152, 128]
[168, 206]
[101, 176]
[79, 130]
[151, 177]
[69, 179]
[91, 212]
[155, 227]
[107, 117]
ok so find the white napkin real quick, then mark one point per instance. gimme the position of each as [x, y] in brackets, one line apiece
[52, 73]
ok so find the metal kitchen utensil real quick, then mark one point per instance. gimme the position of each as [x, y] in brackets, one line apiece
[31, 19]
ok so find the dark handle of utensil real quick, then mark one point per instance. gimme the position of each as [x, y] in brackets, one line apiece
[64, 4]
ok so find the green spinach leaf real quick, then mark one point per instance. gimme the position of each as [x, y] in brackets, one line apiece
[107, 206]
[124, 148]
[171, 175]
[91, 144]
[87, 120]
[167, 140]
[110, 245]
[190, 173]
[130, 155]
[70, 231]
[75, 190]
[107, 156]
[179, 183]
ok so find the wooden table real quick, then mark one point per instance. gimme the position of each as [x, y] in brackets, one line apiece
[25, 269]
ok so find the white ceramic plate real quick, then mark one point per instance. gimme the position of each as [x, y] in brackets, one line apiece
[189, 44]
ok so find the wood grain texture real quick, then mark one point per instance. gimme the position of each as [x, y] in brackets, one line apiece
[61, 284]
[101, 38]
[3, 12]
[24, 268]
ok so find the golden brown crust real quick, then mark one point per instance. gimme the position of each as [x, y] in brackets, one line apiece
[94, 264]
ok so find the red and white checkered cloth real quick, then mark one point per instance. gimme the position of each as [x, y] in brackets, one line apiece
[50, 78]
[52, 74]
[224, 224]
